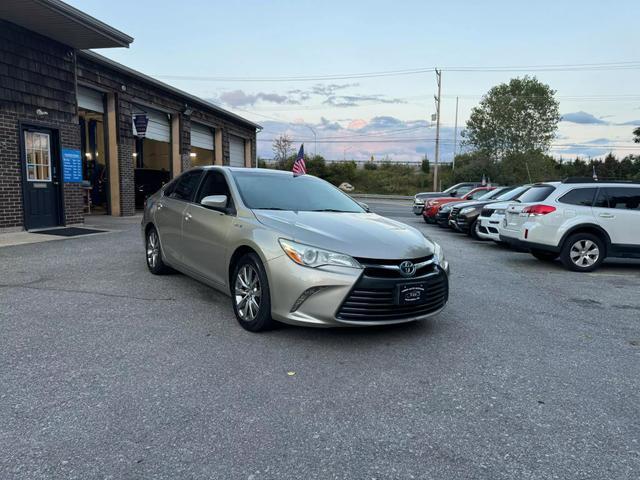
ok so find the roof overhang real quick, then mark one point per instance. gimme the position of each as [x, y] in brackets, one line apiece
[63, 23]
[163, 86]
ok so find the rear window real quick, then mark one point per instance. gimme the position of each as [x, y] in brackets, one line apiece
[512, 194]
[622, 198]
[579, 196]
[537, 193]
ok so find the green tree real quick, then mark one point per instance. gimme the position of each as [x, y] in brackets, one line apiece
[514, 118]
[425, 167]
[636, 135]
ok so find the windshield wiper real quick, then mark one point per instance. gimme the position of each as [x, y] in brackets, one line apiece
[332, 210]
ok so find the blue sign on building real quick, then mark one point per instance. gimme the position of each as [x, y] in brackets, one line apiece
[71, 165]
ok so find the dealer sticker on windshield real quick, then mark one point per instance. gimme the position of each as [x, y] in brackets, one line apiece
[411, 293]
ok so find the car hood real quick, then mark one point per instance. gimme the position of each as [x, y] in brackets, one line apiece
[429, 195]
[364, 235]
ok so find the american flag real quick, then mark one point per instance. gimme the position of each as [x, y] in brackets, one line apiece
[299, 167]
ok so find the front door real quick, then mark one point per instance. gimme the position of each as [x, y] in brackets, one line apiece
[205, 231]
[41, 177]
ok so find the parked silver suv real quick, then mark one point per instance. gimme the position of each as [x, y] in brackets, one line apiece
[292, 249]
[579, 220]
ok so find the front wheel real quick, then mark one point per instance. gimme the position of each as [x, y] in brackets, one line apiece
[582, 252]
[474, 229]
[250, 294]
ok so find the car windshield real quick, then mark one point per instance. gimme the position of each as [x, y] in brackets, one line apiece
[537, 193]
[512, 194]
[269, 191]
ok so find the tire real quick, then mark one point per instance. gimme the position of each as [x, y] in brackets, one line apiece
[155, 264]
[426, 220]
[473, 230]
[544, 255]
[583, 252]
[252, 311]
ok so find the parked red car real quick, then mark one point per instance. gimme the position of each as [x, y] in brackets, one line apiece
[432, 205]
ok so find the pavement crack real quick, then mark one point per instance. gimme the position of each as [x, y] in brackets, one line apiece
[28, 285]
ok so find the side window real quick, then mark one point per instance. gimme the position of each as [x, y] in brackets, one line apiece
[171, 186]
[579, 196]
[623, 198]
[186, 185]
[214, 184]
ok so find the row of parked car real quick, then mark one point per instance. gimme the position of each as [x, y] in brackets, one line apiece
[581, 221]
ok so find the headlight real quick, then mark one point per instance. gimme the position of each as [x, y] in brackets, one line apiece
[438, 254]
[466, 210]
[308, 256]
[499, 211]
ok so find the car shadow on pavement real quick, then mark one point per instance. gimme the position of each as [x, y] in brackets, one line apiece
[359, 335]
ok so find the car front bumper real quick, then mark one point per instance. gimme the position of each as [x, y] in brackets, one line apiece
[489, 228]
[340, 296]
[418, 208]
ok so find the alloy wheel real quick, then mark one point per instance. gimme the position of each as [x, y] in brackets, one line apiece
[153, 249]
[248, 293]
[584, 253]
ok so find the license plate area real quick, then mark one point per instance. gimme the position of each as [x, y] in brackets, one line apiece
[411, 293]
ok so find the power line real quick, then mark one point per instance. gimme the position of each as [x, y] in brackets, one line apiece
[626, 65]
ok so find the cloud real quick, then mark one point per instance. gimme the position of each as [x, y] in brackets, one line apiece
[326, 124]
[331, 88]
[582, 118]
[356, 100]
[238, 98]
[633, 123]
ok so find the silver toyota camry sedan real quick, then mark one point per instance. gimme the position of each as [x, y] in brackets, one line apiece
[292, 249]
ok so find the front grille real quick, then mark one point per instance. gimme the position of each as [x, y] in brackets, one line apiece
[375, 268]
[454, 213]
[487, 212]
[374, 299]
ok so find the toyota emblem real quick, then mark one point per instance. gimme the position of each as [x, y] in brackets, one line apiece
[407, 268]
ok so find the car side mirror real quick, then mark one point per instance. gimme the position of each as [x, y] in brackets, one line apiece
[215, 202]
[454, 193]
[365, 206]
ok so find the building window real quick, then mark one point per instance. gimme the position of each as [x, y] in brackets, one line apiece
[201, 157]
[38, 149]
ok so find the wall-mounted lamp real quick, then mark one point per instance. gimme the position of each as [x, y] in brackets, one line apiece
[41, 113]
[187, 110]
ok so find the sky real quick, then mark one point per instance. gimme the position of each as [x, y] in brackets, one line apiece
[249, 57]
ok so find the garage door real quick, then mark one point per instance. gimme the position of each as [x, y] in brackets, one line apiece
[236, 151]
[201, 136]
[158, 128]
[90, 100]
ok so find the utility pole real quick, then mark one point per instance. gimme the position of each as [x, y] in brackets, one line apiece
[315, 139]
[438, 101]
[455, 138]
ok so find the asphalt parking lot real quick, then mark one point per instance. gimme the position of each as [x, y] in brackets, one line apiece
[107, 372]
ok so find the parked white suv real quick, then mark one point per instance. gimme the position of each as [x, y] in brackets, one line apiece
[581, 221]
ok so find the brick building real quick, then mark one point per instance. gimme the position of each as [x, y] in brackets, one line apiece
[80, 133]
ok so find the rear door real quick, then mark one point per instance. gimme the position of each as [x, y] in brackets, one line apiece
[205, 231]
[617, 210]
[170, 213]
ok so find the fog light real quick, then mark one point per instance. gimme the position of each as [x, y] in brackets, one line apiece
[306, 294]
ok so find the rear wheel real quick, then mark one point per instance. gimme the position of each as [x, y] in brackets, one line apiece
[250, 294]
[544, 255]
[582, 252]
[155, 264]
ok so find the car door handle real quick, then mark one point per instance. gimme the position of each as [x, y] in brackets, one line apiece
[607, 215]
[187, 217]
